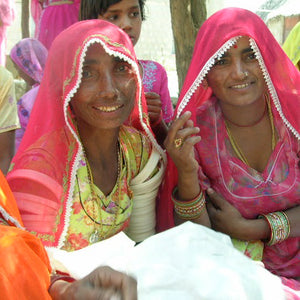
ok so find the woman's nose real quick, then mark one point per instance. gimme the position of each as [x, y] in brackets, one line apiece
[239, 71]
[106, 85]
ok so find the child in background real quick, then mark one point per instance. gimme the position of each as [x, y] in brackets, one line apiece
[128, 15]
[29, 57]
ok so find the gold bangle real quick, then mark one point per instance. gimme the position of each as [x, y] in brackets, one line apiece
[279, 225]
[191, 209]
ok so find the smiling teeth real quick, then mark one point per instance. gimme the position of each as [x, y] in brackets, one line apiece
[108, 108]
[240, 86]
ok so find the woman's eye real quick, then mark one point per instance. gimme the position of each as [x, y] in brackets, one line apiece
[252, 55]
[220, 62]
[123, 68]
[86, 74]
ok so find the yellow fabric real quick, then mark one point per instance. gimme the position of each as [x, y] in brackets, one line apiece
[114, 212]
[8, 107]
[291, 45]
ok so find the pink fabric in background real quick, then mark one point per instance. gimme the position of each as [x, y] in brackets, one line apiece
[7, 16]
[155, 80]
[55, 18]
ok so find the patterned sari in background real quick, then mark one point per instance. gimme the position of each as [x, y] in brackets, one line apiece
[29, 55]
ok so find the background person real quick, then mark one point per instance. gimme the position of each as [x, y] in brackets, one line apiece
[56, 16]
[7, 16]
[29, 58]
[9, 120]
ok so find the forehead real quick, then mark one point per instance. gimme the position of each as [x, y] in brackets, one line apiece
[241, 45]
[95, 52]
[243, 42]
[124, 4]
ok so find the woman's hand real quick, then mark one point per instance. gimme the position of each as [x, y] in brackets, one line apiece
[102, 283]
[154, 108]
[157, 122]
[180, 143]
[225, 217]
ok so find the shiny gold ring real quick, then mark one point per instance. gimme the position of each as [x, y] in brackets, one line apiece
[178, 142]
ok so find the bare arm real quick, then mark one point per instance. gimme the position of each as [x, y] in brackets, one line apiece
[227, 219]
[7, 149]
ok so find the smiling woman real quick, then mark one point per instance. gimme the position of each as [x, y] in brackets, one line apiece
[78, 173]
[245, 166]
[106, 94]
[73, 173]
[128, 15]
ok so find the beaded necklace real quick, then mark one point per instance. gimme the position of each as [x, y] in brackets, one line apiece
[96, 235]
[235, 145]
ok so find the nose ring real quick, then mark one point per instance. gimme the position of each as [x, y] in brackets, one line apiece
[246, 74]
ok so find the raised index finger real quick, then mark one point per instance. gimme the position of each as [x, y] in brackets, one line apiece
[178, 124]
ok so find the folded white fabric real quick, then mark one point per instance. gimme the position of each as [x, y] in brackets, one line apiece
[187, 262]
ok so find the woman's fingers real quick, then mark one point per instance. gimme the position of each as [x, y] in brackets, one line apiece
[178, 124]
[182, 130]
[217, 201]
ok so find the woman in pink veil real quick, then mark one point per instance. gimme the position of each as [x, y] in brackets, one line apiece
[55, 176]
[239, 165]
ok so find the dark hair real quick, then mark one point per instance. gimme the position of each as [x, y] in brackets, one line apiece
[91, 9]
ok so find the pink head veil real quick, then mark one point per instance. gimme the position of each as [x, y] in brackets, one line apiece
[45, 187]
[30, 55]
[217, 34]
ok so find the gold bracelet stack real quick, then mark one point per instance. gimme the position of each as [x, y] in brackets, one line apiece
[279, 225]
[191, 209]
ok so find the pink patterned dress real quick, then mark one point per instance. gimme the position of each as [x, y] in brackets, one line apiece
[57, 16]
[155, 80]
[251, 192]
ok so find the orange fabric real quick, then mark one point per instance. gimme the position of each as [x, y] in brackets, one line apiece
[7, 200]
[24, 265]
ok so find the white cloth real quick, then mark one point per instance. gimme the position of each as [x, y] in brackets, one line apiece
[186, 262]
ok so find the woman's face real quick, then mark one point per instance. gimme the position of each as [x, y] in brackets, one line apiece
[106, 95]
[125, 14]
[236, 78]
